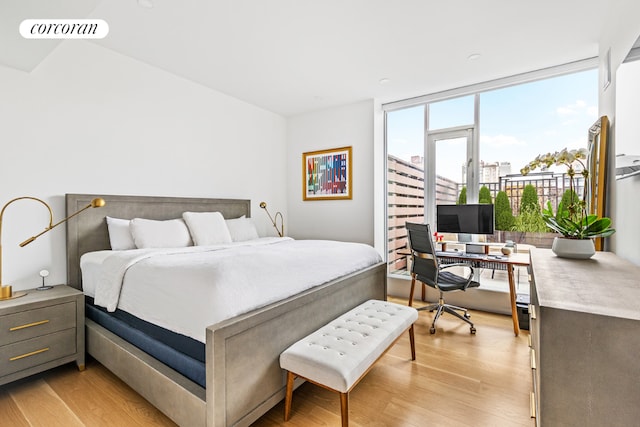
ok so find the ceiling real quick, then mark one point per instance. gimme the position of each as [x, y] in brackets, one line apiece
[295, 56]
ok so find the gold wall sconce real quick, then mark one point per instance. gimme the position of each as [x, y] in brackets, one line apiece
[5, 290]
[280, 230]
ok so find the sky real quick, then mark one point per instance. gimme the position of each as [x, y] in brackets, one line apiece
[516, 123]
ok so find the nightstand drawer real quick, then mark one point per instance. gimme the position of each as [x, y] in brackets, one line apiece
[33, 352]
[37, 322]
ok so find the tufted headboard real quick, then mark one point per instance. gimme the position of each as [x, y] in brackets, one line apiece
[88, 231]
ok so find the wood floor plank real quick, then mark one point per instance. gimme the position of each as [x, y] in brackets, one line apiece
[41, 406]
[93, 392]
[11, 416]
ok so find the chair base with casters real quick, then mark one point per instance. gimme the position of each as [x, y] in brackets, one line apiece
[441, 307]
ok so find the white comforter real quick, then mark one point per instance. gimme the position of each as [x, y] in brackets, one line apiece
[187, 289]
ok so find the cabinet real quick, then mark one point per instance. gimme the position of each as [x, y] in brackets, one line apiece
[41, 330]
[585, 340]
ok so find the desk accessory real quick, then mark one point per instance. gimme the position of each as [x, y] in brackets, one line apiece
[95, 203]
[43, 274]
[474, 249]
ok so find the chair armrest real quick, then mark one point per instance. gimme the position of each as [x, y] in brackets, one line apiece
[460, 264]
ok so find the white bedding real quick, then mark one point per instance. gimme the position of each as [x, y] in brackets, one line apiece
[187, 289]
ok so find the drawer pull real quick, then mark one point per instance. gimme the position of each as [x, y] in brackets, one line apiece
[28, 325]
[533, 358]
[532, 404]
[33, 353]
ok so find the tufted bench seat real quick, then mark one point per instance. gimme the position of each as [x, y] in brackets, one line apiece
[340, 353]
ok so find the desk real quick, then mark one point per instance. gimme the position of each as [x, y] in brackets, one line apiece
[515, 259]
[490, 261]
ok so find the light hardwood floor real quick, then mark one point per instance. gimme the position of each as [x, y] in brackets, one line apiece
[458, 379]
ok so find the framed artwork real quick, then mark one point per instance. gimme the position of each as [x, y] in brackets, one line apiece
[326, 174]
[597, 184]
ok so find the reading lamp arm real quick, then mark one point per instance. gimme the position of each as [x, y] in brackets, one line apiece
[95, 203]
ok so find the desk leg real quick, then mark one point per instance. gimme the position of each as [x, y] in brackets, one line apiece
[512, 295]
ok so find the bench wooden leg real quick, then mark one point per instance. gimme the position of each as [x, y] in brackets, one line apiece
[412, 340]
[344, 408]
[289, 396]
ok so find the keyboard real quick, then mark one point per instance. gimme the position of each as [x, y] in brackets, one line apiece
[467, 255]
[449, 253]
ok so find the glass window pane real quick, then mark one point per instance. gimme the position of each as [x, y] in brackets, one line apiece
[451, 113]
[519, 122]
[451, 155]
[405, 133]
[405, 180]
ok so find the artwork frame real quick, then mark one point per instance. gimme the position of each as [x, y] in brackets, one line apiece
[327, 174]
[598, 147]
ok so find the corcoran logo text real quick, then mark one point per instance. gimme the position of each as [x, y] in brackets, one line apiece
[64, 28]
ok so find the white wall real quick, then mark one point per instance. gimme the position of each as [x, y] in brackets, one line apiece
[345, 220]
[627, 204]
[88, 120]
[620, 31]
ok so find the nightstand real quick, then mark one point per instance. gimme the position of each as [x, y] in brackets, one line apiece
[41, 330]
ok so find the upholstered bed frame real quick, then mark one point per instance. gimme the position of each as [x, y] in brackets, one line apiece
[244, 379]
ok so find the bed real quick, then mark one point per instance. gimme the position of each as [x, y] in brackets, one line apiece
[243, 376]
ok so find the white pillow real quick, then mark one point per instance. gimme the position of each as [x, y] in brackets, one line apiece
[242, 229]
[207, 228]
[119, 234]
[148, 233]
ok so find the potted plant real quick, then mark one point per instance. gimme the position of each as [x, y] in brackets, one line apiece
[578, 228]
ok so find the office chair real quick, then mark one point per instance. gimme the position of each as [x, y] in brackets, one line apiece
[426, 269]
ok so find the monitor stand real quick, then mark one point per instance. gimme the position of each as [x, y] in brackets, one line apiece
[465, 238]
[471, 244]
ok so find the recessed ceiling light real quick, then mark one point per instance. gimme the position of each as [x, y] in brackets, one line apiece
[147, 4]
[474, 56]
[384, 81]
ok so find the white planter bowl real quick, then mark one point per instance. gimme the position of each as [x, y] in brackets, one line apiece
[573, 248]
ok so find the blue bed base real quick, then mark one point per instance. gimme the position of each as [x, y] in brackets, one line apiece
[181, 353]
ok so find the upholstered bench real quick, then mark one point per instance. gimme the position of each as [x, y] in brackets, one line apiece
[338, 355]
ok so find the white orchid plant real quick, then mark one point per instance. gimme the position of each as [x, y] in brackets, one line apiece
[571, 221]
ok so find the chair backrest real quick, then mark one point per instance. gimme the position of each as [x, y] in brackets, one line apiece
[425, 262]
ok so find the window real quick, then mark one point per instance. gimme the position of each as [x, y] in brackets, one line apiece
[442, 146]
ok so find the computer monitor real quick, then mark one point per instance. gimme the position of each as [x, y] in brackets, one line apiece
[465, 219]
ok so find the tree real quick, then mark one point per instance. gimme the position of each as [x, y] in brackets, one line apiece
[530, 220]
[529, 217]
[462, 199]
[504, 214]
[529, 201]
[484, 196]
